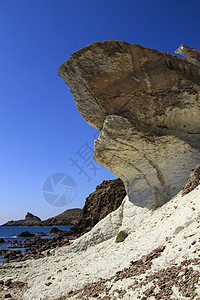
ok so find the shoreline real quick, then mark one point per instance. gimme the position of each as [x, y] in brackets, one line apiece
[95, 256]
[30, 244]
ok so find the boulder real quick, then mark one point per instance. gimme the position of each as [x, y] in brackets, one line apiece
[39, 234]
[55, 230]
[146, 105]
[12, 253]
[26, 234]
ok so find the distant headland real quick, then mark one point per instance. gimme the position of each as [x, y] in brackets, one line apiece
[68, 218]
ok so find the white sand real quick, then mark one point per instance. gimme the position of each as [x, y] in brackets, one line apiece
[96, 254]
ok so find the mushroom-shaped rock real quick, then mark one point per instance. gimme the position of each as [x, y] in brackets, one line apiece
[146, 105]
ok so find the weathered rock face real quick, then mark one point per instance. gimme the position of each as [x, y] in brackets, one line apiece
[193, 181]
[68, 218]
[190, 54]
[31, 217]
[153, 168]
[146, 105]
[135, 82]
[106, 198]
[29, 220]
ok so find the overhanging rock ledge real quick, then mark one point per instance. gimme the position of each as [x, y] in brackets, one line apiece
[146, 105]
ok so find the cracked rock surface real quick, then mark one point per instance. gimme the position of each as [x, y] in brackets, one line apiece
[146, 105]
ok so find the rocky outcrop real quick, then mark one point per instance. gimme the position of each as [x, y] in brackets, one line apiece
[12, 289]
[26, 234]
[30, 217]
[159, 259]
[193, 181]
[190, 54]
[106, 198]
[29, 220]
[146, 105]
[68, 218]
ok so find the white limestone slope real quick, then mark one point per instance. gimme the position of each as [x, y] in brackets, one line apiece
[175, 225]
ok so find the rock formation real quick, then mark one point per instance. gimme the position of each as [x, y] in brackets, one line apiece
[193, 181]
[146, 105]
[106, 198]
[160, 258]
[190, 54]
[32, 218]
[151, 139]
[68, 218]
[29, 220]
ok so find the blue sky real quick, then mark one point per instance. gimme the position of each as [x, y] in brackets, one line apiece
[40, 127]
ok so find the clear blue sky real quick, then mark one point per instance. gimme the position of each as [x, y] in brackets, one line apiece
[40, 127]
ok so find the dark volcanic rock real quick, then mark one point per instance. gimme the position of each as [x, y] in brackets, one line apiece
[12, 289]
[2, 241]
[26, 234]
[31, 217]
[35, 248]
[107, 197]
[68, 218]
[12, 253]
[55, 230]
[39, 234]
[30, 220]
[193, 181]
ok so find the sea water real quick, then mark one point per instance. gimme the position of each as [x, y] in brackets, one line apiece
[10, 233]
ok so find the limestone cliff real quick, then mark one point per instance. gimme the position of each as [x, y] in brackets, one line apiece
[146, 105]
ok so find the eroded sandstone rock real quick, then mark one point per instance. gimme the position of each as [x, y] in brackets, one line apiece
[146, 105]
[154, 168]
[192, 55]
